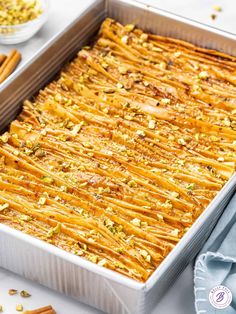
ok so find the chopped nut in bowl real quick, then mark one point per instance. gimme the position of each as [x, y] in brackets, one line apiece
[21, 19]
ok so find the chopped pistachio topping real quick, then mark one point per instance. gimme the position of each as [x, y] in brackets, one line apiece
[141, 133]
[63, 188]
[77, 128]
[25, 218]
[54, 230]
[102, 262]
[203, 75]
[165, 101]
[132, 184]
[163, 65]
[129, 27]
[144, 253]
[187, 217]
[152, 124]
[119, 265]
[160, 217]
[124, 39]
[144, 37]
[4, 138]
[119, 250]
[93, 258]
[190, 186]
[157, 49]
[122, 69]
[167, 204]
[4, 206]
[119, 85]
[42, 200]
[175, 194]
[181, 141]
[175, 232]
[47, 180]
[136, 222]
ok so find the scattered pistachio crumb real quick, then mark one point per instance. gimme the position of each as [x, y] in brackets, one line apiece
[213, 16]
[217, 8]
[12, 291]
[19, 307]
[25, 294]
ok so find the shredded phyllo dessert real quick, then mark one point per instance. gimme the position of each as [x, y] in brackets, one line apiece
[115, 160]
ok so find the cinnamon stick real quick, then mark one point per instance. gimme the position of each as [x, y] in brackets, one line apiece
[9, 64]
[2, 58]
[43, 310]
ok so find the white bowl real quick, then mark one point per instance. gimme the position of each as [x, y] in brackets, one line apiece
[15, 34]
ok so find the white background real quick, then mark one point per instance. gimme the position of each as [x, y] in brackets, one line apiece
[179, 299]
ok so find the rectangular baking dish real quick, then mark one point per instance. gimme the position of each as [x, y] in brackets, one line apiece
[62, 271]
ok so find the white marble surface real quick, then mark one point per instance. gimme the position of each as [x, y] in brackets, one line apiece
[179, 299]
[201, 10]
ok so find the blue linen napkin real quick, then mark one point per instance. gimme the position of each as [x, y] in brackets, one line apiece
[216, 266]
